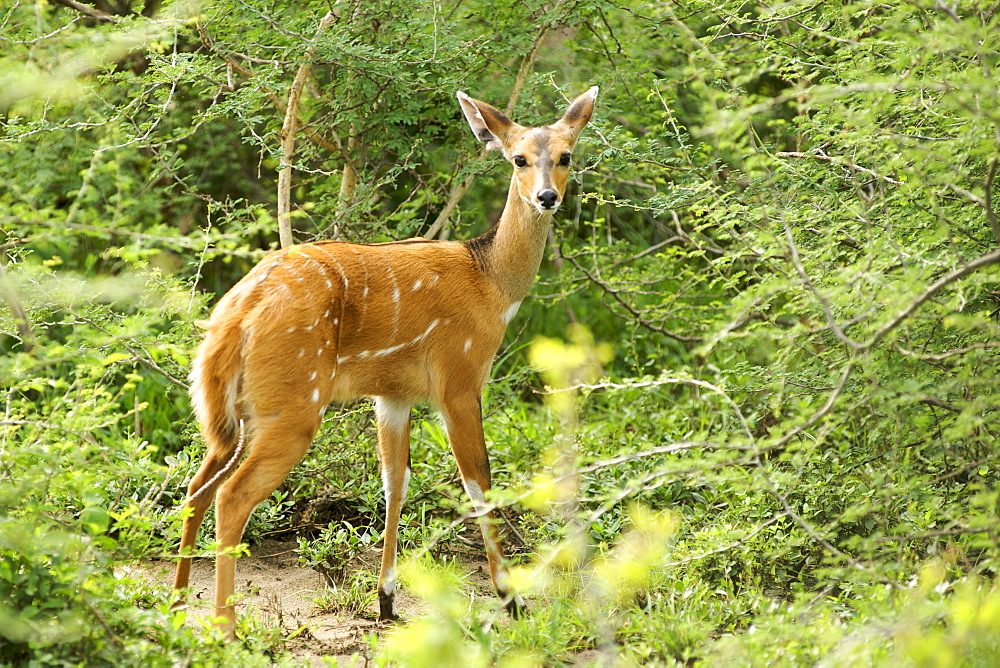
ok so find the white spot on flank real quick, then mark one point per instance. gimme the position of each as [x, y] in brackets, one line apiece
[302, 352]
[417, 283]
[336, 321]
[336, 263]
[395, 301]
[315, 394]
[327, 314]
[319, 352]
[511, 311]
[290, 330]
[468, 345]
[392, 349]
[388, 351]
[313, 376]
[427, 331]
[309, 328]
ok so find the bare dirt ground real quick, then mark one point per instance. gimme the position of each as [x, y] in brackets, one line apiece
[271, 583]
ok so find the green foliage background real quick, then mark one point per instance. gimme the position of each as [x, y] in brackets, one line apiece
[782, 222]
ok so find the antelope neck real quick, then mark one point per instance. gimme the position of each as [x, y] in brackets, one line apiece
[511, 252]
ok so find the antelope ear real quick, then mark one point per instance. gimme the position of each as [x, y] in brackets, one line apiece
[578, 114]
[488, 123]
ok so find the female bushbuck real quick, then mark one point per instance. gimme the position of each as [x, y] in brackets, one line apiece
[402, 322]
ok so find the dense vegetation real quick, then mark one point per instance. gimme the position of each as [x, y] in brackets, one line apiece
[782, 236]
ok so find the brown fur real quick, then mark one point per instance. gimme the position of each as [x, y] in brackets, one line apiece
[403, 322]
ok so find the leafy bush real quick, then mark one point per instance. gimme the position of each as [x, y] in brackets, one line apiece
[783, 223]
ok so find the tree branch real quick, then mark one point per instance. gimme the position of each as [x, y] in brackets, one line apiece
[961, 272]
[459, 188]
[88, 11]
[937, 357]
[288, 129]
[827, 311]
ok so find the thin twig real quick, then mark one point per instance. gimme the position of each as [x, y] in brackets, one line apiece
[827, 311]
[89, 438]
[836, 161]
[728, 546]
[312, 135]
[809, 528]
[937, 357]
[628, 307]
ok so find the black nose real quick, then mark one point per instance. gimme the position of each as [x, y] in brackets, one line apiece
[548, 199]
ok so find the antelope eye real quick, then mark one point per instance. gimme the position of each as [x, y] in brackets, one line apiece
[520, 161]
[564, 159]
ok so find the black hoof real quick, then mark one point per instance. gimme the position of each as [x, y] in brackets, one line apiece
[515, 607]
[387, 608]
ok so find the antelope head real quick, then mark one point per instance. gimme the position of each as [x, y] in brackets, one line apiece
[541, 156]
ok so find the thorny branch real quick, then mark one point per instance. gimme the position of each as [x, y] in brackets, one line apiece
[824, 304]
[142, 356]
[616, 294]
[810, 529]
[656, 383]
[938, 357]
[311, 134]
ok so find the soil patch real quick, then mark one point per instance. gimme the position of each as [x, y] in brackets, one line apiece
[271, 583]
